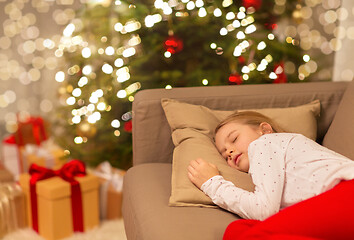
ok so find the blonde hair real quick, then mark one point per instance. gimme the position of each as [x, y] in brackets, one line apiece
[250, 118]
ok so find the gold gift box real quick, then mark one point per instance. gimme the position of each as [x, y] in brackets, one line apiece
[54, 205]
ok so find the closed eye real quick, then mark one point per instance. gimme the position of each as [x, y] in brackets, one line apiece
[233, 136]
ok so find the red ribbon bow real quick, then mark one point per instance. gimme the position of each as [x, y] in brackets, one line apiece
[74, 168]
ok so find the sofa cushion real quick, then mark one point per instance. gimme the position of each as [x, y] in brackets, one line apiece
[147, 216]
[340, 135]
[192, 134]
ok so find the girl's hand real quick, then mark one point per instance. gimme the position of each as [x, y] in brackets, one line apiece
[199, 171]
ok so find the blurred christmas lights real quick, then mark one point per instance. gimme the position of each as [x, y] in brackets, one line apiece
[326, 40]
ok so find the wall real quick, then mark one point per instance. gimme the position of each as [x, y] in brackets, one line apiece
[344, 60]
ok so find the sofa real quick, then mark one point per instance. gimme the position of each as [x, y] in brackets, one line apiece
[147, 184]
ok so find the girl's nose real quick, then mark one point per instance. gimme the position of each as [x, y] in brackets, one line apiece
[230, 152]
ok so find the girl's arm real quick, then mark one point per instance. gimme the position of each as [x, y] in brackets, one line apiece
[250, 205]
[267, 171]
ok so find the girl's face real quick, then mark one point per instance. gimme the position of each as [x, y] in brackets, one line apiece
[232, 141]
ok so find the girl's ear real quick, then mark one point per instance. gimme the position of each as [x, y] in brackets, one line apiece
[266, 128]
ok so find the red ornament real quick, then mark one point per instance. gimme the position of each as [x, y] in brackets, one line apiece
[271, 23]
[271, 26]
[256, 4]
[241, 60]
[173, 44]
[279, 71]
[235, 78]
[128, 126]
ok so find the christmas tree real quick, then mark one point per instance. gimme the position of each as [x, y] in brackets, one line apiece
[113, 49]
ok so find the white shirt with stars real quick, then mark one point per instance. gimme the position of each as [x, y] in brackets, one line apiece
[286, 168]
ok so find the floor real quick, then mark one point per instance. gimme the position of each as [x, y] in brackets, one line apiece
[108, 230]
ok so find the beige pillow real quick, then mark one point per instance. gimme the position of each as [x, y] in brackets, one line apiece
[192, 133]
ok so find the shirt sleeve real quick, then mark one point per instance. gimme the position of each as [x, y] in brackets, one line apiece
[267, 169]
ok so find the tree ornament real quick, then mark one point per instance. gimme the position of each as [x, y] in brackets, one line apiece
[241, 60]
[279, 71]
[235, 78]
[128, 126]
[86, 129]
[271, 23]
[256, 4]
[297, 16]
[173, 44]
[271, 26]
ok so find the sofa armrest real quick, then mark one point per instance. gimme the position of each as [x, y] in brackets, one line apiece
[152, 135]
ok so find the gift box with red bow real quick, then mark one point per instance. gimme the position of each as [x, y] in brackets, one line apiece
[61, 202]
[33, 130]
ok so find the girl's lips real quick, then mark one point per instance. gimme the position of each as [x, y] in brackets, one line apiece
[237, 159]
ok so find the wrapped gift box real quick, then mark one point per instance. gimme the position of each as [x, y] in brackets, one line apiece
[114, 203]
[18, 158]
[11, 156]
[29, 142]
[55, 217]
[12, 208]
[111, 190]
